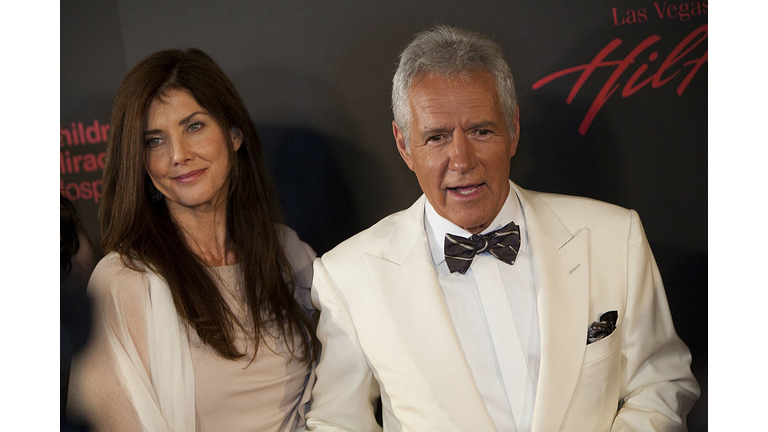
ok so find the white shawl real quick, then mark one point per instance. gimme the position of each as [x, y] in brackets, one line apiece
[139, 378]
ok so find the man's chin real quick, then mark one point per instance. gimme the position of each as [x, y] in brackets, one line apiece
[473, 225]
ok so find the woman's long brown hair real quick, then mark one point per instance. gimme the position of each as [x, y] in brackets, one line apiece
[138, 226]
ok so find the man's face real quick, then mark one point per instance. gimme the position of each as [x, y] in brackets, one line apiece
[459, 147]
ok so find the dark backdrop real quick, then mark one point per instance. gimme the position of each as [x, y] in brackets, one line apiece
[613, 99]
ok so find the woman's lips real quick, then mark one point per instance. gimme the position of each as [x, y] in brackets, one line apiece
[190, 176]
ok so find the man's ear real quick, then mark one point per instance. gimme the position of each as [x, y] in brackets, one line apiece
[237, 138]
[402, 147]
[516, 138]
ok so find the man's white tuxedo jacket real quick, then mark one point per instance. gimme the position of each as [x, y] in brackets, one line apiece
[386, 331]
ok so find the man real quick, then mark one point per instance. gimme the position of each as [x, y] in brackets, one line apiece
[485, 306]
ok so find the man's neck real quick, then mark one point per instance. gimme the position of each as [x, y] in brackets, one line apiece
[437, 226]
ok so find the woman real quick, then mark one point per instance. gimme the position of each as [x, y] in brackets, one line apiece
[203, 297]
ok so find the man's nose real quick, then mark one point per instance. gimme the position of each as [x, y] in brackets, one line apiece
[462, 153]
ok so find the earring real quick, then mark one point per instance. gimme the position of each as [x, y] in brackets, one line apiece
[154, 194]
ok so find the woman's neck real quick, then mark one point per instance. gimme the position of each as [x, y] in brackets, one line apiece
[205, 232]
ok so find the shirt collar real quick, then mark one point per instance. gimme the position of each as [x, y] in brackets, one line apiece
[437, 226]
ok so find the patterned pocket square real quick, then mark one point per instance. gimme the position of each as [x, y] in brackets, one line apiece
[601, 329]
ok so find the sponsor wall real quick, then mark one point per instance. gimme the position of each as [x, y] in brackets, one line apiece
[613, 99]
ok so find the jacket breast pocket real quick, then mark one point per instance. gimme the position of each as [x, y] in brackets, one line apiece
[596, 399]
[602, 348]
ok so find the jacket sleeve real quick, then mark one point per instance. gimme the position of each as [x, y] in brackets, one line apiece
[658, 388]
[345, 392]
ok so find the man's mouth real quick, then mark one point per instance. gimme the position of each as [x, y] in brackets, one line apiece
[466, 190]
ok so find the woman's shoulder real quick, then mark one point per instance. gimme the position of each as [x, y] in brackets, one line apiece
[299, 254]
[113, 273]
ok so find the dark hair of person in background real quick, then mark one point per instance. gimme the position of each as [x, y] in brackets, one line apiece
[69, 241]
[135, 222]
[76, 264]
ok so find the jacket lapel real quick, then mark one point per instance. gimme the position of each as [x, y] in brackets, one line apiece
[560, 262]
[410, 289]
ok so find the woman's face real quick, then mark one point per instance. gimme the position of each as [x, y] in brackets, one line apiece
[186, 152]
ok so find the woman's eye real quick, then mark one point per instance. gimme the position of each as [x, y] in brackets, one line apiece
[194, 127]
[153, 142]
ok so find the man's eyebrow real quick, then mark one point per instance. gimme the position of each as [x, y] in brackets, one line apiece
[478, 125]
[181, 122]
[482, 124]
[434, 131]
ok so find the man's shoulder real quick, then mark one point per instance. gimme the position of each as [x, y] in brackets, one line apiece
[399, 229]
[549, 210]
[581, 208]
[372, 240]
[556, 200]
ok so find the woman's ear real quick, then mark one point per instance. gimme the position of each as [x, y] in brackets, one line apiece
[237, 138]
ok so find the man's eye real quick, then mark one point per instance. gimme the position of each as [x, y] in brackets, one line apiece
[434, 138]
[483, 131]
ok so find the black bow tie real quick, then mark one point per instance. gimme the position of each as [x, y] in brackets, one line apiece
[502, 243]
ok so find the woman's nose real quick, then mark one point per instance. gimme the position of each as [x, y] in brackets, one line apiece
[180, 152]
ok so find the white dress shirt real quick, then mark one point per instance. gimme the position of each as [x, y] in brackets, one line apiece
[493, 310]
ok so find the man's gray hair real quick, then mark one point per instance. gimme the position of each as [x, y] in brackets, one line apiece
[446, 51]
